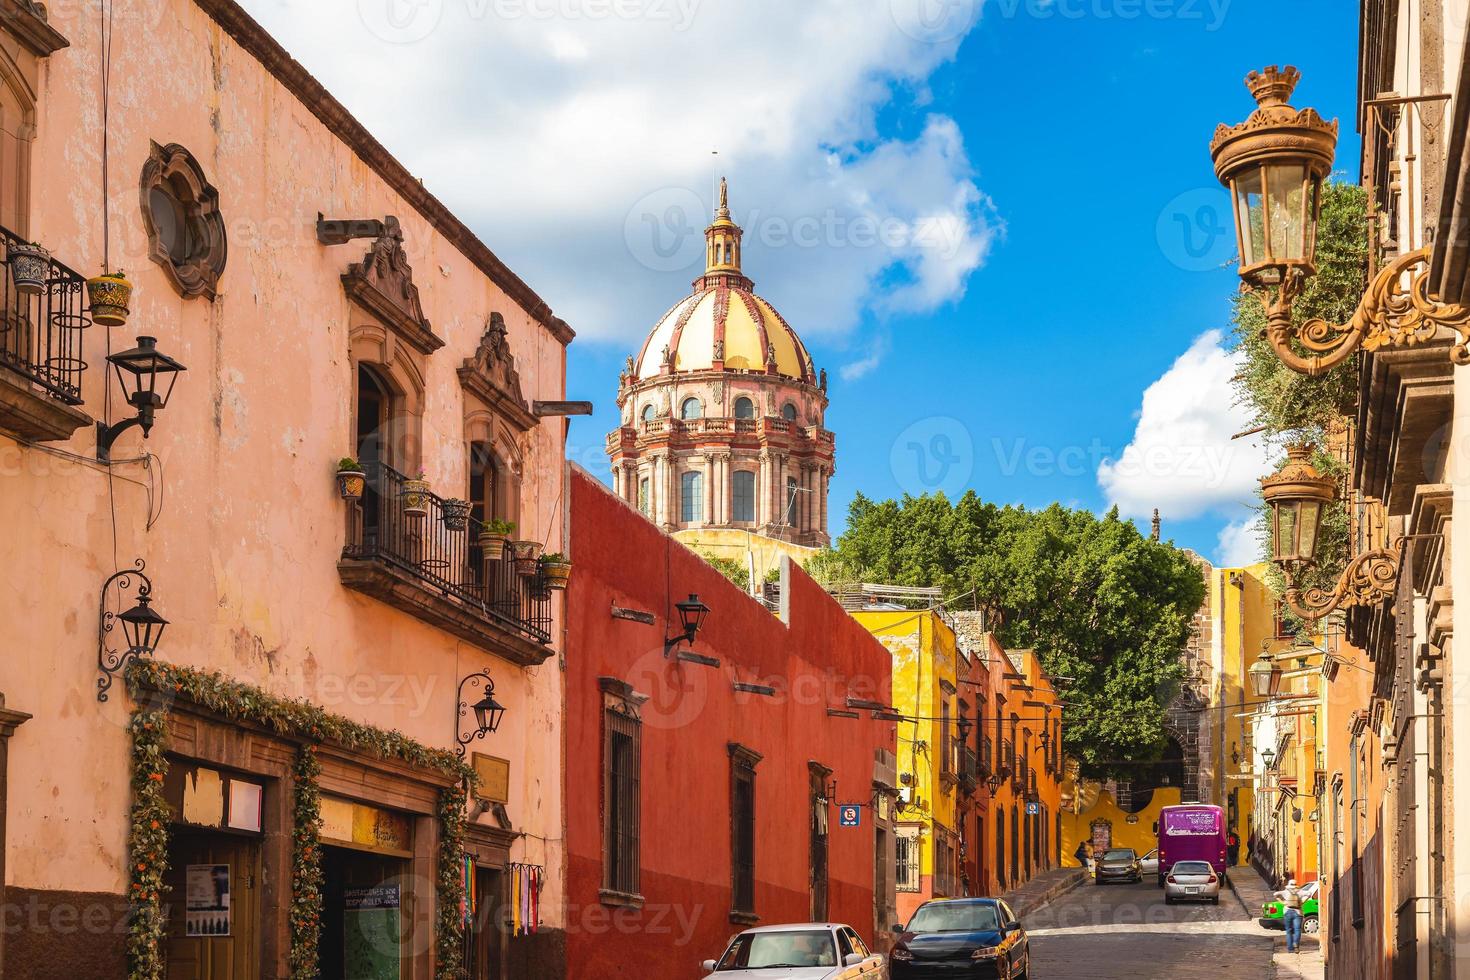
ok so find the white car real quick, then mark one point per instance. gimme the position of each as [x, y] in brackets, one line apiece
[809, 951]
[1150, 863]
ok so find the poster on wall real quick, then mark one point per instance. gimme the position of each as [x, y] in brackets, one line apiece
[207, 900]
[372, 933]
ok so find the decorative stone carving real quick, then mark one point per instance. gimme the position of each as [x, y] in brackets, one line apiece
[491, 376]
[186, 233]
[719, 351]
[382, 283]
[823, 381]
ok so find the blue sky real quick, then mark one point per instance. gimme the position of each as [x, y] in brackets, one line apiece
[1046, 302]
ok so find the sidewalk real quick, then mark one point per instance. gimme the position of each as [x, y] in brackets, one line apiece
[1042, 889]
[1251, 890]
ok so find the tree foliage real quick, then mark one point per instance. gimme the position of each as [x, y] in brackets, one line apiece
[733, 569]
[1100, 603]
[1292, 407]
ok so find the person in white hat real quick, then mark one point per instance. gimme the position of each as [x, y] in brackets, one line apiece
[1291, 908]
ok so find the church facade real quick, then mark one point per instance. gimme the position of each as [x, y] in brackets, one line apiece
[722, 439]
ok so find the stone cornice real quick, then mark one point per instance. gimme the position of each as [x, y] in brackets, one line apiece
[234, 21]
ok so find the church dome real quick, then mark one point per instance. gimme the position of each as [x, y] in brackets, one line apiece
[723, 325]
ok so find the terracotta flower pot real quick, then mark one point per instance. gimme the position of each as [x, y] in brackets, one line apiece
[556, 573]
[456, 513]
[528, 557]
[415, 496]
[351, 483]
[108, 297]
[492, 546]
[30, 265]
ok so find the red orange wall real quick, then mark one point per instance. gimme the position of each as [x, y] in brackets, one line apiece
[815, 660]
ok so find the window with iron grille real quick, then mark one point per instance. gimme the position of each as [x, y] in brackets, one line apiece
[906, 859]
[622, 766]
[819, 830]
[742, 829]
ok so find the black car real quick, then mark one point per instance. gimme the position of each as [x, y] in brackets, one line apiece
[961, 937]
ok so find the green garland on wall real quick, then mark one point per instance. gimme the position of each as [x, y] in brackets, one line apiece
[296, 719]
[306, 867]
[147, 844]
[452, 823]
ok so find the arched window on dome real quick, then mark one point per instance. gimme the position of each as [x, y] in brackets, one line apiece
[691, 497]
[690, 408]
[743, 491]
[744, 408]
[647, 415]
[788, 411]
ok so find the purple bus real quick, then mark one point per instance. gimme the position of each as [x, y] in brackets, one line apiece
[1192, 832]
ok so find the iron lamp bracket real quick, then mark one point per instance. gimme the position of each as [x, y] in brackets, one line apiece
[110, 663]
[1369, 579]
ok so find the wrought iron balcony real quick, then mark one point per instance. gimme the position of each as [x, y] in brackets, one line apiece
[440, 575]
[41, 362]
[969, 770]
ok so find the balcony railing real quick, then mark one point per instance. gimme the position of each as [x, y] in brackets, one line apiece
[984, 758]
[715, 425]
[41, 333]
[1008, 755]
[444, 561]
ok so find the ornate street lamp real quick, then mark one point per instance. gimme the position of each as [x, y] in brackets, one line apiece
[692, 613]
[1297, 494]
[1274, 164]
[1262, 675]
[1268, 756]
[142, 626]
[487, 711]
[139, 372]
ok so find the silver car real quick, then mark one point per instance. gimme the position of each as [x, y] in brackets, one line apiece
[809, 951]
[1192, 881]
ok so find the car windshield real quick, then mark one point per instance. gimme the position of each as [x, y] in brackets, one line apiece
[1117, 855]
[788, 948]
[1193, 868]
[955, 917]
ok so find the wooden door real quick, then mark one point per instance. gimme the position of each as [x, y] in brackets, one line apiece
[231, 948]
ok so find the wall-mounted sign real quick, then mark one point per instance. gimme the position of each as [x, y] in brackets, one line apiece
[1032, 808]
[494, 778]
[849, 815]
[368, 827]
[372, 931]
[1131, 818]
[207, 900]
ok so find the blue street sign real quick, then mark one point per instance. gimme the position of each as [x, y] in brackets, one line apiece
[849, 815]
[1032, 809]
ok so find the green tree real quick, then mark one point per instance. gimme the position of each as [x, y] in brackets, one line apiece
[733, 569]
[1101, 604]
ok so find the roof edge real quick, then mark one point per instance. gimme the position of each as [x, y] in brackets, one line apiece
[290, 73]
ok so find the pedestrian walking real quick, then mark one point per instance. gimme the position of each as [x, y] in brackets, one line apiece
[1082, 854]
[1233, 840]
[1291, 907]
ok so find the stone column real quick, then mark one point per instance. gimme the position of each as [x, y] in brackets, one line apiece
[763, 490]
[709, 489]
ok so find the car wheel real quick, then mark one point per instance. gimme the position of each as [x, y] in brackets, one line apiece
[1310, 925]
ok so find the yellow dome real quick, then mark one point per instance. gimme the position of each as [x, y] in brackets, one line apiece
[723, 324]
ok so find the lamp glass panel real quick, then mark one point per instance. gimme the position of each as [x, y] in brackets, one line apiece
[1286, 530]
[1250, 217]
[1286, 200]
[1310, 521]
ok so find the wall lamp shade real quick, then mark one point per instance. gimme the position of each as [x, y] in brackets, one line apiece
[147, 377]
[488, 713]
[692, 614]
[1268, 756]
[1297, 495]
[1262, 675]
[142, 626]
[1273, 165]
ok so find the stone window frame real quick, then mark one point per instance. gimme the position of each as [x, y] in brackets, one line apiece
[401, 367]
[622, 707]
[684, 413]
[743, 762]
[172, 168]
[735, 474]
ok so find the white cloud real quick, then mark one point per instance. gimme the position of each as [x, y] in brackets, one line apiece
[1239, 543]
[1182, 459]
[576, 138]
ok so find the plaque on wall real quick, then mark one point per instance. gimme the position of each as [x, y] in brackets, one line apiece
[494, 778]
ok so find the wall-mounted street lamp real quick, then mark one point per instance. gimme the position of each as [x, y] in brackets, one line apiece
[140, 372]
[692, 614]
[1268, 756]
[142, 626]
[1263, 676]
[487, 711]
[1297, 494]
[1274, 164]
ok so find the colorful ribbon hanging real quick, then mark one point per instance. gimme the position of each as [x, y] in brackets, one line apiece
[525, 899]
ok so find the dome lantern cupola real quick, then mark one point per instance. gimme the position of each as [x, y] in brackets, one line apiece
[722, 239]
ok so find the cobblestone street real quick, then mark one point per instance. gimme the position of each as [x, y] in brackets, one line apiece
[1115, 931]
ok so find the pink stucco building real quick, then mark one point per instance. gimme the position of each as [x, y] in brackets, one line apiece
[386, 331]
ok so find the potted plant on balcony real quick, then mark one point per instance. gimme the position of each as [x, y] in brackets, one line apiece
[456, 513]
[556, 568]
[30, 265]
[528, 557]
[415, 496]
[493, 536]
[351, 478]
[108, 296]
